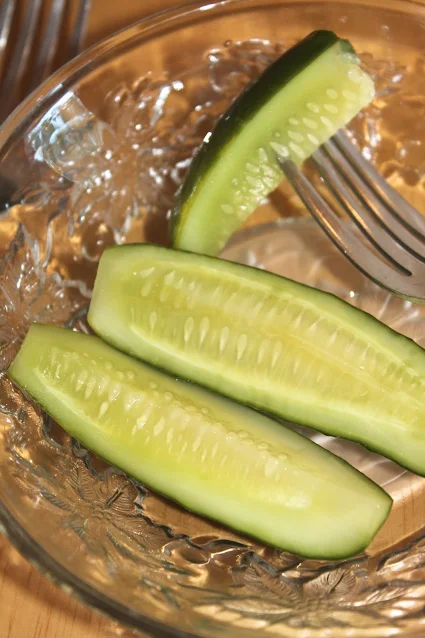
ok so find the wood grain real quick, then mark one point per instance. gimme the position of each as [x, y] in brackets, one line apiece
[31, 607]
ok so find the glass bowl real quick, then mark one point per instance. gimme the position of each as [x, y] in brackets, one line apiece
[94, 157]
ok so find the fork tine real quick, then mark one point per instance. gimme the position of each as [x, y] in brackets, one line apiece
[353, 205]
[411, 218]
[366, 192]
[77, 37]
[352, 247]
[48, 46]
[6, 14]
[19, 60]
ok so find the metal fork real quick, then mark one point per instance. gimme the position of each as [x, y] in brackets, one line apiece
[390, 247]
[18, 64]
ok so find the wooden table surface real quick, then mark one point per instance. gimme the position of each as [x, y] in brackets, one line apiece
[30, 606]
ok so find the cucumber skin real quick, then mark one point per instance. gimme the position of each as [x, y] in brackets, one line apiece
[107, 445]
[244, 107]
[187, 371]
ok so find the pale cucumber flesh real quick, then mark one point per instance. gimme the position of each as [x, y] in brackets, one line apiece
[298, 103]
[268, 342]
[217, 458]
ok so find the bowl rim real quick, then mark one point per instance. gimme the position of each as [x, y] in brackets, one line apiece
[12, 128]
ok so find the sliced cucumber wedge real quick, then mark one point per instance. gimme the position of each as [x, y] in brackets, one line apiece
[298, 103]
[213, 456]
[268, 342]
